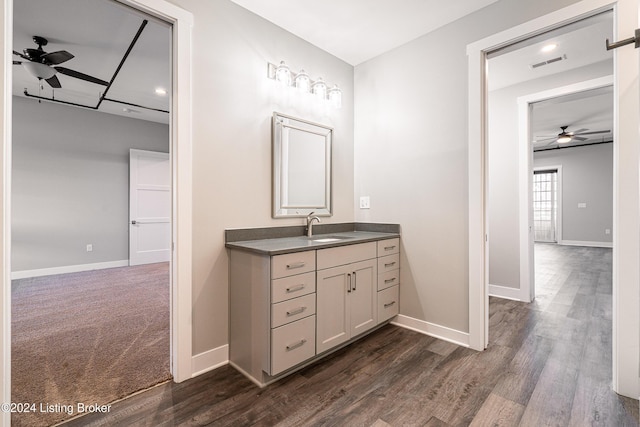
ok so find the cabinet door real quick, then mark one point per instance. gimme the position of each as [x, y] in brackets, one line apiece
[332, 310]
[363, 299]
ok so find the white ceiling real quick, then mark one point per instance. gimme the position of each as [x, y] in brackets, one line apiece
[98, 33]
[358, 30]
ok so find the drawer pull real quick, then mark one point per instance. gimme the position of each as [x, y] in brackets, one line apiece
[296, 345]
[390, 264]
[393, 279]
[295, 288]
[388, 248]
[389, 304]
[299, 264]
[296, 311]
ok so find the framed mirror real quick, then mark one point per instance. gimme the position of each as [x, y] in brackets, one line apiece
[301, 167]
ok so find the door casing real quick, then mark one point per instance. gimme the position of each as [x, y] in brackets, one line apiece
[181, 160]
[626, 249]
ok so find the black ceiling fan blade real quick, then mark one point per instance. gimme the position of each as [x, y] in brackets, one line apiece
[17, 63]
[81, 76]
[543, 139]
[21, 55]
[595, 132]
[578, 138]
[55, 58]
[54, 82]
[575, 132]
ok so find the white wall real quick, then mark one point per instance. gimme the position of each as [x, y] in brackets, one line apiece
[70, 183]
[503, 171]
[233, 102]
[587, 177]
[411, 155]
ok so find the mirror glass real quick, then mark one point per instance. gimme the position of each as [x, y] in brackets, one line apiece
[301, 167]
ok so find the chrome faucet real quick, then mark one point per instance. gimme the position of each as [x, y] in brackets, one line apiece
[310, 220]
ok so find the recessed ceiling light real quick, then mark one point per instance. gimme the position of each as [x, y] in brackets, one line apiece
[549, 47]
[160, 91]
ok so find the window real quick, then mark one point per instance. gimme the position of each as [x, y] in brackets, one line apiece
[545, 205]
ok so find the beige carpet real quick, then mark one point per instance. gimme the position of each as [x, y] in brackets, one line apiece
[89, 337]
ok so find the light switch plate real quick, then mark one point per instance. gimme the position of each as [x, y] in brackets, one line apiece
[365, 202]
[582, 205]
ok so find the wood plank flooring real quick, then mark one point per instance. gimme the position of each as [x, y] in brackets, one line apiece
[548, 364]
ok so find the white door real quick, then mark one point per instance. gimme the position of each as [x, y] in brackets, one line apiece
[149, 207]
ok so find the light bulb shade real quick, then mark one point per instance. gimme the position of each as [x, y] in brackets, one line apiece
[335, 96]
[303, 82]
[320, 88]
[563, 139]
[39, 71]
[283, 74]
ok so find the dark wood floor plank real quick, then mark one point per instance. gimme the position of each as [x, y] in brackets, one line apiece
[498, 412]
[522, 376]
[547, 363]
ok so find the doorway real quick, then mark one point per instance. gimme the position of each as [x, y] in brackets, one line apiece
[70, 192]
[181, 334]
[626, 250]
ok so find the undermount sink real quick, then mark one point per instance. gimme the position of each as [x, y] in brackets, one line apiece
[328, 239]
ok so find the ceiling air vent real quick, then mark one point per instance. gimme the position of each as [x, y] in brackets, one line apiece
[550, 61]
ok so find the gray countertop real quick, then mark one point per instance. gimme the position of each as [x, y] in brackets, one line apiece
[283, 245]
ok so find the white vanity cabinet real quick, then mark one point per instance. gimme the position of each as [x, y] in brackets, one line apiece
[289, 309]
[346, 293]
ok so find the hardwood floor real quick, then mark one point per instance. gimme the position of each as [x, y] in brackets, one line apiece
[548, 364]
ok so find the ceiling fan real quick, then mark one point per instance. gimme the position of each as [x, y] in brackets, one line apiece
[564, 136]
[44, 66]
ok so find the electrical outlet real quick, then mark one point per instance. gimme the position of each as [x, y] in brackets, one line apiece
[607, 231]
[365, 202]
[89, 247]
[582, 205]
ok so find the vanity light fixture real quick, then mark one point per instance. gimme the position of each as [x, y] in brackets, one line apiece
[335, 96]
[319, 88]
[549, 47]
[283, 74]
[301, 81]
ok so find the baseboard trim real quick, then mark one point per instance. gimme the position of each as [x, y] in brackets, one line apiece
[441, 332]
[506, 292]
[24, 274]
[585, 243]
[209, 360]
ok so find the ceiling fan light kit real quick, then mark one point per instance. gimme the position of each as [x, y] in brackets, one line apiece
[38, 70]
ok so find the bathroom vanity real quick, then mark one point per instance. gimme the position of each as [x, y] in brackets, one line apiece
[295, 299]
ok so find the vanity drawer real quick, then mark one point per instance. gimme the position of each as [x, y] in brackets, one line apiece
[292, 310]
[294, 263]
[292, 344]
[388, 263]
[388, 247]
[293, 286]
[388, 279]
[342, 255]
[388, 301]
